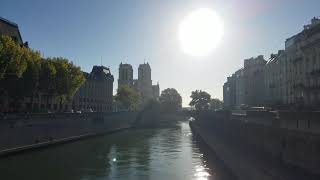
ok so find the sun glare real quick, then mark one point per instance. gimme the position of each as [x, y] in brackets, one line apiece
[200, 32]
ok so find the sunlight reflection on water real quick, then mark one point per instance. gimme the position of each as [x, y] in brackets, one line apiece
[157, 154]
[201, 173]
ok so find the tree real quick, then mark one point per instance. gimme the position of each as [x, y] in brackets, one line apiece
[19, 64]
[68, 78]
[61, 79]
[76, 79]
[215, 104]
[23, 73]
[127, 97]
[200, 100]
[170, 100]
[11, 58]
[30, 78]
[47, 78]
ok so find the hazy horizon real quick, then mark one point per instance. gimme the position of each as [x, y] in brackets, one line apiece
[134, 31]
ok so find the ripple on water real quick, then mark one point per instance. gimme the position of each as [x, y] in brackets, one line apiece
[157, 154]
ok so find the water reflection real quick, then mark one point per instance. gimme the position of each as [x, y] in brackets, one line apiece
[164, 153]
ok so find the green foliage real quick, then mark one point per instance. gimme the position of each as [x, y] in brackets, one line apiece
[75, 80]
[48, 73]
[170, 100]
[128, 97]
[30, 78]
[12, 58]
[68, 78]
[60, 78]
[200, 100]
[19, 73]
[23, 73]
[216, 104]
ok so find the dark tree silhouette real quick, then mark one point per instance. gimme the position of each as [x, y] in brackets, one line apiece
[200, 100]
[127, 97]
[170, 100]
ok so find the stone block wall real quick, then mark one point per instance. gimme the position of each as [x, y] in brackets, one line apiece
[27, 130]
[298, 148]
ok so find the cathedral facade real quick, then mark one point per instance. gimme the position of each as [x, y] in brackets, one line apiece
[143, 84]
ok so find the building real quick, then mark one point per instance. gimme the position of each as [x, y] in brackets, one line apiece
[291, 77]
[276, 86]
[229, 92]
[303, 66]
[239, 88]
[125, 75]
[96, 94]
[234, 90]
[293, 74]
[10, 29]
[143, 84]
[254, 89]
[246, 86]
[156, 91]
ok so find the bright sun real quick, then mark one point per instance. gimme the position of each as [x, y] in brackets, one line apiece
[200, 32]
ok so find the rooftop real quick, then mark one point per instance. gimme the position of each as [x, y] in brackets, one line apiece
[8, 22]
[125, 65]
[100, 73]
[144, 65]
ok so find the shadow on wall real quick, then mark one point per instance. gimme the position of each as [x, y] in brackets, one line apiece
[297, 148]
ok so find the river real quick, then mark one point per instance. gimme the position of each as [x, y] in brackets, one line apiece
[165, 153]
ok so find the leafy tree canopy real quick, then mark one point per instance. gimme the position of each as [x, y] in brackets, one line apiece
[23, 73]
[170, 100]
[12, 57]
[128, 97]
[216, 104]
[200, 100]
[65, 78]
[47, 77]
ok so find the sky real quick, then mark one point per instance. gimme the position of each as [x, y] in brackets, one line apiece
[134, 31]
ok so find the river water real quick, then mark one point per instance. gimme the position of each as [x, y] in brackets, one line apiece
[165, 153]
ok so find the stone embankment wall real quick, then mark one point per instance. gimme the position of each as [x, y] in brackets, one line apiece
[301, 121]
[293, 147]
[23, 132]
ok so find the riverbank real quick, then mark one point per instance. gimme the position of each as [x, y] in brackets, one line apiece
[26, 132]
[245, 160]
[160, 153]
[22, 133]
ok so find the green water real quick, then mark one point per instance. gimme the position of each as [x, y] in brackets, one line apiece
[164, 153]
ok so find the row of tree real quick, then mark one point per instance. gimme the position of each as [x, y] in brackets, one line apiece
[170, 100]
[24, 73]
[129, 98]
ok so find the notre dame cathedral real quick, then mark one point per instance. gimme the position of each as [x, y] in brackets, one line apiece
[143, 84]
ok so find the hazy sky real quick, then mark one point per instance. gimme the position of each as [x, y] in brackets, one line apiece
[133, 30]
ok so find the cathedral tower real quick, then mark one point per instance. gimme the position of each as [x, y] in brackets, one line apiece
[125, 75]
[144, 81]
